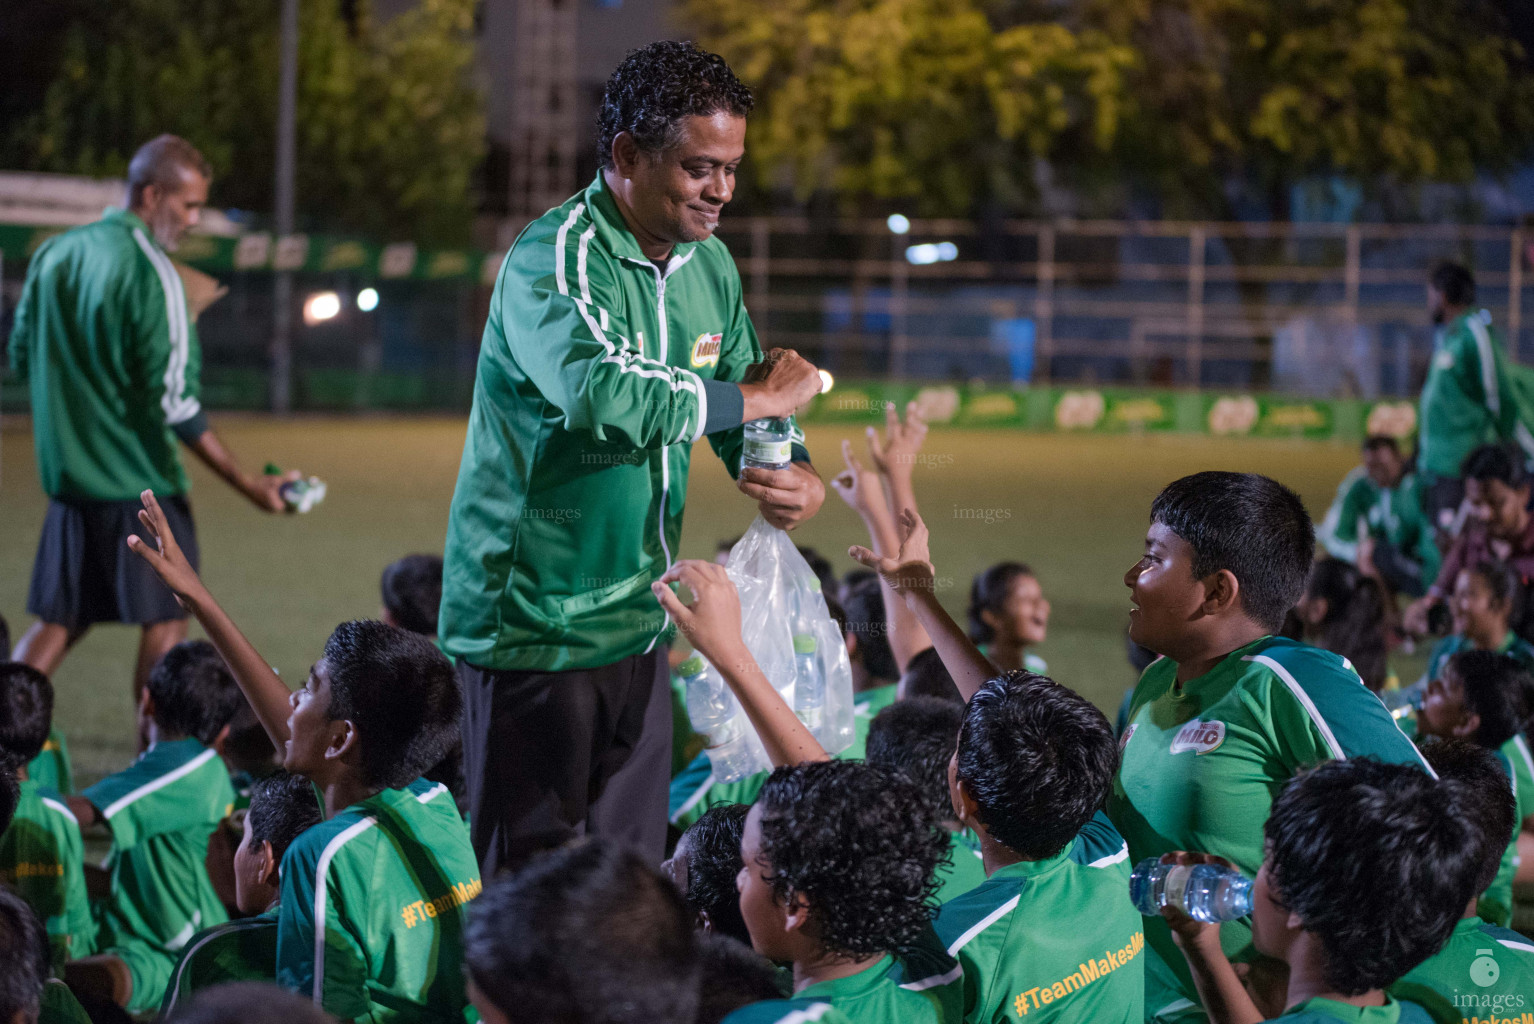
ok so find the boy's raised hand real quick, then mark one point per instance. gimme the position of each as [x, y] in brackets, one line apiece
[859, 486]
[166, 559]
[910, 571]
[712, 623]
[896, 452]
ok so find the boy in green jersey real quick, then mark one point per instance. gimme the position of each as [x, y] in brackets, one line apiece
[1486, 697]
[916, 736]
[704, 868]
[1368, 867]
[586, 934]
[282, 807]
[161, 810]
[50, 767]
[1376, 521]
[1457, 983]
[1486, 596]
[375, 898]
[27, 994]
[41, 854]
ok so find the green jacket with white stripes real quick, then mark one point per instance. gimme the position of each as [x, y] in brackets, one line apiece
[1468, 398]
[104, 338]
[598, 371]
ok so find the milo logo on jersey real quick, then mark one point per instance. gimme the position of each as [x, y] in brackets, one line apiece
[1199, 736]
[705, 351]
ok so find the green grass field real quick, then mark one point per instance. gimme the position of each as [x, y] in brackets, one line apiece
[1072, 506]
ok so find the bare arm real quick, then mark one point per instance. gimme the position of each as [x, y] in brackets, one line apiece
[909, 573]
[264, 491]
[266, 693]
[897, 452]
[712, 624]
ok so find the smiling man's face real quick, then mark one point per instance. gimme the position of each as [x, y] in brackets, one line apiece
[680, 191]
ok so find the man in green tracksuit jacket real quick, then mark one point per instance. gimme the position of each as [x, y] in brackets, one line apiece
[1468, 399]
[106, 341]
[616, 338]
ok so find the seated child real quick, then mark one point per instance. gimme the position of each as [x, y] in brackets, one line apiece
[1008, 615]
[41, 854]
[1486, 698]
[1344, 611]
[917, 737]
[1448, 984]
[161, 810]
[585, 934]
[733, 976]
[374, 899]
[27, 994]
[1487, 598]
[282, 807]
[1344, 842]
[706, 864]
[411, 588]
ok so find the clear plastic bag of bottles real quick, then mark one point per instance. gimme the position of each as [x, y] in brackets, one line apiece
[789, 630]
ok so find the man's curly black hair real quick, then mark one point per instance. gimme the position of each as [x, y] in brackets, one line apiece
[917, 736]
[1346, 839]
[1038, 759]
[853, 840]
[658, 85]
[713, 863]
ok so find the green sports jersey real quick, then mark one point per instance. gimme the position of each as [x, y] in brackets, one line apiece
[685, 743]
[1328, 1011]
[59, 1005]
[1202, 762]
[919, 987]
[50, 768]
[1496, 903]
[373, 907]
[1390, 514]
[598, 371]
[43, 860]
[694, 790]
[964, 869]
[161, 810]
[239, 950]
[103, 336]
[1052, 940]
[1513, 645]
[788, 1011]
[1467, 399]
[1449, 984]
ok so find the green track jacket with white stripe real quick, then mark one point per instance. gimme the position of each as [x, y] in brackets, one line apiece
[104, 338]
[1468, 398]
[597, 372]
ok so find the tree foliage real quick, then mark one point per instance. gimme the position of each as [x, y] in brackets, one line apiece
[390, 122]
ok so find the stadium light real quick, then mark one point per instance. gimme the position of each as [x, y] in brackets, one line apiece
[931, 252]
[826, 381]
[367, 300]
[321, 306]
[899, 223]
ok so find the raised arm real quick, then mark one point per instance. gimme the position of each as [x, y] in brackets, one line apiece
[897, 452]
[712, 625]
[909, 573]
[266, 693]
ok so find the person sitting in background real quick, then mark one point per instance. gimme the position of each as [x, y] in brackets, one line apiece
[705, 865]
[27, 994]
[1445, 983]
[586, 934]
[374, 899]
[161, 810]
[1343, 611]
[1008, 614]
[1486, 698]
[1487, 598]
[916, 736]
[282, 808]
[50, 769]
[1376, 522]
[1500, 527]
[1318, 906]
[411, 590]
[41, 854]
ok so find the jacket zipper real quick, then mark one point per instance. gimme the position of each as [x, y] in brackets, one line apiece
[665, 452]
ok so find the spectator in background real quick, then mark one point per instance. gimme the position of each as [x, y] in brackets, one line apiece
[1343, 611]
[1376, 522]
[412, 593]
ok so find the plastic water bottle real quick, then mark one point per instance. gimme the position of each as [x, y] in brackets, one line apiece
[768, 444]
[299, 495]
[1405, 701]
[809, 683]
[717, 717]
[1205, 892]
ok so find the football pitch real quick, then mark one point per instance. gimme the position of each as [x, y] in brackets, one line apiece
[1073, 507]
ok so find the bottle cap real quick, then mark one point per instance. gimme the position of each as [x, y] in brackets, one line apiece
[804, 644]
[691, 667]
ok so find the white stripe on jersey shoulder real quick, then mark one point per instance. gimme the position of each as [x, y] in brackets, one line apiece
[61, 808]
[1487, 358]
[320, 892]
[1522, 745]
[984, 923]
[1112, 858]
[178, 408]
[1523, 946]
[160, 783]
[937, 979]
[692, 801]
[432, 793]
[813, 1012]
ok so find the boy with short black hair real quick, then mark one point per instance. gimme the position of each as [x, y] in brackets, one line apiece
[917, 736]
[161, 810]
[282, 807]
[411, 589]
[927, 676]
[41, 854]
[1487, 698]
[706, 864]
[586, 934]
[50, 767]
[1345, 842]
[1448, 983]
[373, 899]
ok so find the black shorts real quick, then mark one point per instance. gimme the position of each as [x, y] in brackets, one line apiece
[85, 572]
